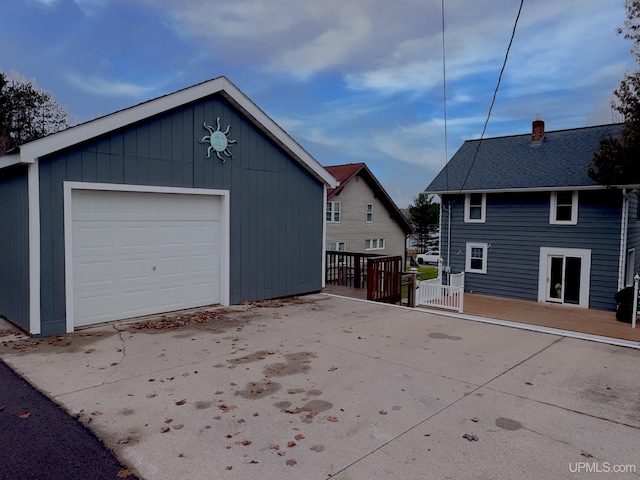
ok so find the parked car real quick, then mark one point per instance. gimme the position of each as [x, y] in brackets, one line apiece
[429, 257]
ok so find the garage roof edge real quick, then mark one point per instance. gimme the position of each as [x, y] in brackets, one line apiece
[31, 151]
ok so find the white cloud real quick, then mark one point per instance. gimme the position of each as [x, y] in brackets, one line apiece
[112, 88]
[332, 47]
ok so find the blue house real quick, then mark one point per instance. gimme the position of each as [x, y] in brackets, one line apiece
[191, 199]
[521, 217]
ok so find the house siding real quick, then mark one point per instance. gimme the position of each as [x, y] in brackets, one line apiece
[14, 245]
[517, 226]
[353, 228]
[275, 205]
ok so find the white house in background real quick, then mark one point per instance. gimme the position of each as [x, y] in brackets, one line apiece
[361, 216]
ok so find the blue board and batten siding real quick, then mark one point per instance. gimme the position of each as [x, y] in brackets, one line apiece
[14, 245]
[517, 226]
[276, 206]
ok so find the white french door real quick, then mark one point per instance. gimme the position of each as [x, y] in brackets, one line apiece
[564, 276]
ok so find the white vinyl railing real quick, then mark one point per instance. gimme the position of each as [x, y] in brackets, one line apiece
[430, 293]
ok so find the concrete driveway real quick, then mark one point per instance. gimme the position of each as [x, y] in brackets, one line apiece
[323, 386]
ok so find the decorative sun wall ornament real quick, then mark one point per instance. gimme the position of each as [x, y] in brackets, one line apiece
[218, 141]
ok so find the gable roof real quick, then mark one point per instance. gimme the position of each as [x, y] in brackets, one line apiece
[560, 161]
[345, 173]
[30, 152]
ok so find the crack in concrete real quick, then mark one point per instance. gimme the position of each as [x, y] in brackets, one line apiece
[123, 349]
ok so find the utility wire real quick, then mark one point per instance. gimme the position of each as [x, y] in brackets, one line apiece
[493, 100]
[444, 100]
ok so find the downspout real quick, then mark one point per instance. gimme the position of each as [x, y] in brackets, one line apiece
[448, 267]
[624, 227]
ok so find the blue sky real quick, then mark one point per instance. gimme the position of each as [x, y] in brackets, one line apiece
[350, 80]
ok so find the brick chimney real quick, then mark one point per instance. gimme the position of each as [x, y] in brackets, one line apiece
[537, 134]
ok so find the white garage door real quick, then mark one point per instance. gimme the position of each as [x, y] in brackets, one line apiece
[141, 253]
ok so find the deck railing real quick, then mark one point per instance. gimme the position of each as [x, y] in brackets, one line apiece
[347, 268]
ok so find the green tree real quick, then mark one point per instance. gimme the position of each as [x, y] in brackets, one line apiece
[26, 112]
[425, 217]
[618, 160]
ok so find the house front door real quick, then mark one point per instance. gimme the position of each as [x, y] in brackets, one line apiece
[564, 276]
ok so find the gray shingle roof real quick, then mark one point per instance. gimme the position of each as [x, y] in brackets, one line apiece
[510, 163]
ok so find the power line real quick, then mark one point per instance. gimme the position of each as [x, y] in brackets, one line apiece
[493, 100]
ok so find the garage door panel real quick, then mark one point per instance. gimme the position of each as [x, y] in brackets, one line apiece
[142, 253]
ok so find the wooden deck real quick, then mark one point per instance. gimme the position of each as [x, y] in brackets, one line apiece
[563, 317]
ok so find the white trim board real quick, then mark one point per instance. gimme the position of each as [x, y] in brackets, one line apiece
[68, 188]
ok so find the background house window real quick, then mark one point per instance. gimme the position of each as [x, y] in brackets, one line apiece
[337, 246]
[475, 206]
[369, 212]
[374, 244]
[333, 212]
[564, 208]
[476, 261]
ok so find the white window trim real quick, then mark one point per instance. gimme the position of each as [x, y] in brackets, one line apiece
[485, 250]
[629, 267]
[467, 209]
[366, 214]
[333, 211]
[553, 207]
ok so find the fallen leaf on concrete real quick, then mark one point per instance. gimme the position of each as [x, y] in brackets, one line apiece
[91, 350]
[528, 383]
[219, 392]
[25, 415]
[164, 429]
[317, 448]
[168, 420]
[291, 462]
[125, 440]
[181, 402]
[226, 408]
[585, 454]
[124, 473]
[273, 446]
[243, 442]
[282, 454]
[291, 443]
[242, 420]
[299, 436]
[471, 437]
[475, 419]
[151, 395]
[229, 468]
[382, 412]
[332, 368]
[97, 412]
[178, 426]
[217, 417]
[332, 419]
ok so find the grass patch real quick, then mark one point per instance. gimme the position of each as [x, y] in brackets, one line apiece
[427, 273]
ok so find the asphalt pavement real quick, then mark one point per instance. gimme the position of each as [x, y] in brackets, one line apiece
[39, 440]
